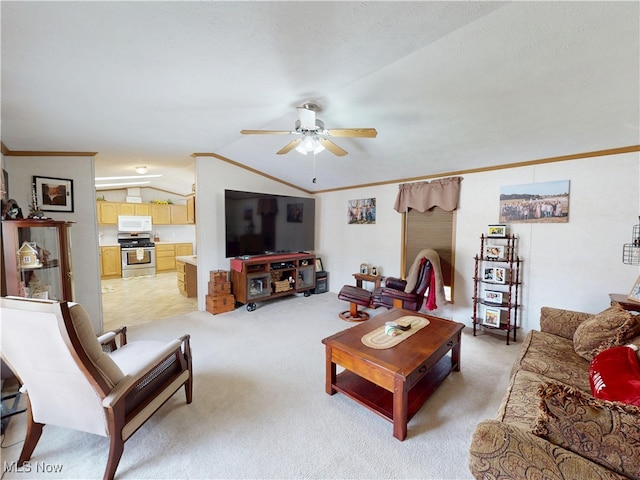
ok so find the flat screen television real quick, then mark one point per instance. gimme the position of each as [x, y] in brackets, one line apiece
[261, 223]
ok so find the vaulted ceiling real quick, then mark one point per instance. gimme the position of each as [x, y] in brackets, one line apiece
[449, 86]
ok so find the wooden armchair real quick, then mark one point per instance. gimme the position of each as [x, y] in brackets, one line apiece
[72, 379]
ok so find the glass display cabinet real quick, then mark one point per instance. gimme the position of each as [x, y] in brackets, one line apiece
[37, 259]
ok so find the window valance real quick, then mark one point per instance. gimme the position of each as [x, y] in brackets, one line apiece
[423, 196]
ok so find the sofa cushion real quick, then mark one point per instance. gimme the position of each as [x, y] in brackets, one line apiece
[519, 405]
[611, 327]
[607, 433]
[615, 375]
[555, 358]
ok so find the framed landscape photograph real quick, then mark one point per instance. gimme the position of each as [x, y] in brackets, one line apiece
[634, 294]
[492, 317]
[54, 194]
[497, 231]
[491, 296]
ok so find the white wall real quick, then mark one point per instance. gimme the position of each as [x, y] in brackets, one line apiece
[571, 265]
[213, 176]
[84, 233]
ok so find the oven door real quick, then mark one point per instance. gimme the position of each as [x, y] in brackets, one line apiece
[138, 258]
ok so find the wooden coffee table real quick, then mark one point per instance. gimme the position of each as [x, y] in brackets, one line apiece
[393, 382]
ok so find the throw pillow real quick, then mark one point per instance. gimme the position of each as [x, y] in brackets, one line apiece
[609, 328]
[614, 374]
[607, 433]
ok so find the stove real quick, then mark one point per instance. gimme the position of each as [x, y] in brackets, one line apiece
[138, 254]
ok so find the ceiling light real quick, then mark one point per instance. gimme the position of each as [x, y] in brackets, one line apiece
[310, 144]
[124, 184]
[141, 170]
[128, 177]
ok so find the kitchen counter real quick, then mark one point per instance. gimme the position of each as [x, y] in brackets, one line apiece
[190, 259]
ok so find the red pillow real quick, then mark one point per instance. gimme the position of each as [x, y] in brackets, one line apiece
[614, 375]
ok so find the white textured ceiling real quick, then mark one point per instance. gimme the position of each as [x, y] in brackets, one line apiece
[448, 85]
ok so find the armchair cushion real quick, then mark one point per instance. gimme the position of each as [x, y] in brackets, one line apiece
[106, 366]
[395, 283]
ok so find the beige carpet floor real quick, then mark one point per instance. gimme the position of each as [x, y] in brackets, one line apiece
[260, 409]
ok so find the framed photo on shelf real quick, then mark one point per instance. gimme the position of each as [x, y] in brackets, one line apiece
[54, 194]
[492, 317]
[375, 271]
[494, 252]
[364, 269]
[500, 274]
[492, 296]
[319, 267]
[488, 274]
[497, 231]
[634, 294]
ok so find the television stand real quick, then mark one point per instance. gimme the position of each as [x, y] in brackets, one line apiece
[266, 277]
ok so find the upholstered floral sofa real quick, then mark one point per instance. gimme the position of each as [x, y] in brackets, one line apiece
[572, 407]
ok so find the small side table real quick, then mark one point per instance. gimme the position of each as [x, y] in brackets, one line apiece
[625, 302]
[363, 277]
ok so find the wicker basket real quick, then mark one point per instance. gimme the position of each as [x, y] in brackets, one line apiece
[282, 286]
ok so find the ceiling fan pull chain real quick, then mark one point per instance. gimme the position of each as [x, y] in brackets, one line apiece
[314, 168]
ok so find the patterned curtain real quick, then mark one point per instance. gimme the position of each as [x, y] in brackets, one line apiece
[423, 196]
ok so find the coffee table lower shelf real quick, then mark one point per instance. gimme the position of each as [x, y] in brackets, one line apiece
[380, 400]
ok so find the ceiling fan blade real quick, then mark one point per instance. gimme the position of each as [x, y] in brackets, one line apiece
[353, 132]
[289, 146]
[332, 147]
[307, 118]
[267, 132]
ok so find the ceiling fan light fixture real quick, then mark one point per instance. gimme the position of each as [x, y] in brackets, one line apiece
[141, 170]
[310, 145]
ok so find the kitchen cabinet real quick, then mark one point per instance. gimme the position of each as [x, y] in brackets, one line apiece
[107, 213]
[160, 214]
[178, 214]
[166, 254]
[110, 262]
[134, 209]
[37, 259]
[191, 209]
[187, 272]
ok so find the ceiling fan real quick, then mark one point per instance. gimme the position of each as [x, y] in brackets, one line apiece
[312, 136]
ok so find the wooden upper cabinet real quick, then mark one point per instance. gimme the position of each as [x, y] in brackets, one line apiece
[107, 213]
[160, 214]
[191, 209]
[178, 214]
[134, 208]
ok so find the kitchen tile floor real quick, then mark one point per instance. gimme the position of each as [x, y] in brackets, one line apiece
[130, 301]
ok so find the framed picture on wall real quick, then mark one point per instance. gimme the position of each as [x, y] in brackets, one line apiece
[54, 194]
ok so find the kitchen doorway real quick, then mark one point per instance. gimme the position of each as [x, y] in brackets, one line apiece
[135, 300]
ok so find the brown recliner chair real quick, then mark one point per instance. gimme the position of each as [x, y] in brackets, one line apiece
[392, 294]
